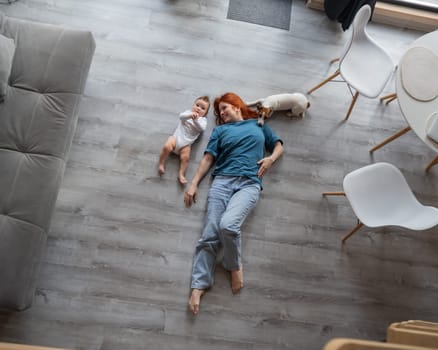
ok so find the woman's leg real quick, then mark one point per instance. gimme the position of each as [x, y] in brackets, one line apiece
[184, 157]
[240, 205]
[195, 300]
[209, 244]
[168, 147]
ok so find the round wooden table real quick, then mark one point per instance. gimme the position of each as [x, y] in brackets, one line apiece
[416, 112]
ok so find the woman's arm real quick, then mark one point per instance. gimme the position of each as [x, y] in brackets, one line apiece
[203, 168]
[266, 162]
[277, 152]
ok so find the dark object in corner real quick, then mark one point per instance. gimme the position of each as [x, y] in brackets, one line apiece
[334, 8]
[276, 14]
[344, 10]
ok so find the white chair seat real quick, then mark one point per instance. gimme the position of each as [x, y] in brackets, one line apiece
[380, 196]
[371, 76]
[423, 219]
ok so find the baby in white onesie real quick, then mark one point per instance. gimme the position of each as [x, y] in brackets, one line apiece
[191, 124]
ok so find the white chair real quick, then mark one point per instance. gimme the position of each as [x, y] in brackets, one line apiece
[380, 196]
[364, 65]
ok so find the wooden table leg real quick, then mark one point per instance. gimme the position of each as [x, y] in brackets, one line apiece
[392, 138]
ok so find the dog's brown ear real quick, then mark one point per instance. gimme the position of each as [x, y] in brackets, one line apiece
[308, 104]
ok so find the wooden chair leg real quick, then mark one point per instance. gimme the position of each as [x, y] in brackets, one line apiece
[353, 102]
[388, 97]
[358, 226]
[391, 99]
[432, 163]
[335, 60]
[392, 138]
[333, 193]
[325, 81]
[352, 232]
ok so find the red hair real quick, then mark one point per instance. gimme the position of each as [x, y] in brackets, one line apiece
[236, 101]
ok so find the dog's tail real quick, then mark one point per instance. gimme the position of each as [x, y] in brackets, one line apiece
[253, 103]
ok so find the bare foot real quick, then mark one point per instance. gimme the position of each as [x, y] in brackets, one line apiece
[195, 300]
[161, 170]
[237, 280]
[182, 180]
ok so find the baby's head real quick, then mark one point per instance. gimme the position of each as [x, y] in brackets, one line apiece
[201, 106]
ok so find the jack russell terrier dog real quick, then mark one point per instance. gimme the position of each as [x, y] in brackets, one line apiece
[296, 104]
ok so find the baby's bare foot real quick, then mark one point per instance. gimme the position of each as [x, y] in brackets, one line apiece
[237, 280]
[182, 180]
[195, 300]
[161, 170]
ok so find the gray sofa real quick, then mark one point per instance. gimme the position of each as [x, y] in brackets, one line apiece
[38, 118]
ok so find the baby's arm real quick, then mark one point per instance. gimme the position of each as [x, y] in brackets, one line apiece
[185, 115]
[200, 123]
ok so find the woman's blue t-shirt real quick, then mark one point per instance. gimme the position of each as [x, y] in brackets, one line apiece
[238, 146]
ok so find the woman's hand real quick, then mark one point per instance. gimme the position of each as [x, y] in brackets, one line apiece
[265, 164]
[190, 195]
[205, 164]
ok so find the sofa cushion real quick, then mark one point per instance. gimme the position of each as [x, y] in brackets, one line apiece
[59, 57]
[7, 49]
[29, 185]
[37, 123]
[20, 258]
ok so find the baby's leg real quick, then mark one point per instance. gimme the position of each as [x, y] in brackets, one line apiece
[168, 147]
[184, 157]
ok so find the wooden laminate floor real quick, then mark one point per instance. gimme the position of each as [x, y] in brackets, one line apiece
[117, 269]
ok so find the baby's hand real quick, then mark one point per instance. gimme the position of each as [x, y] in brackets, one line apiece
[195, 115]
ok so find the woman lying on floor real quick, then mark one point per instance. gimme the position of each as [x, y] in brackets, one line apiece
[237, 148]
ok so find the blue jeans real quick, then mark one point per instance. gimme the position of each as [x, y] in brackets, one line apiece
[230, 200]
